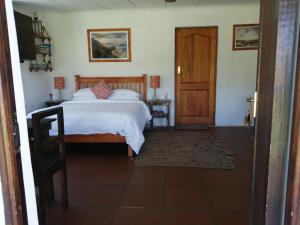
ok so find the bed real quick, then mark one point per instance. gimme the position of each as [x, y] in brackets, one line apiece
[137, 83]
[93, 110]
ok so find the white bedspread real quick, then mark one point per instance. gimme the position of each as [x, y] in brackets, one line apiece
[127, 118]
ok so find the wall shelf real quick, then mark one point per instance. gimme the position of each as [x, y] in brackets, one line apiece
[43, 48]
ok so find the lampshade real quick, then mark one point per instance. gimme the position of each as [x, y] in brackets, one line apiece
[59, 83]
[155, 81]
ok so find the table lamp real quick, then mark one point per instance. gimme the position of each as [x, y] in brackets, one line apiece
[155, 83]
[59, 83]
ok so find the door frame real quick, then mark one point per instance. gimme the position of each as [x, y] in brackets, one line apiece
[8, 167]
[13, 72]
[292, 208]
[281, 22]
[175, 69]
[277, 58]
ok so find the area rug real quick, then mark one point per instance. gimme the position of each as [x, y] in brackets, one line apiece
[182, 148]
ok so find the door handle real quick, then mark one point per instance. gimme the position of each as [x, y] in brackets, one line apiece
[255, 104]
[178, 70]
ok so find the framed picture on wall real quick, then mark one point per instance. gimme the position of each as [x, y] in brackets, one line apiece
[109, 45]
[245, 36]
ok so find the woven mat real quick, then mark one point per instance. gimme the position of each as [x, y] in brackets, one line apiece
[182, 148]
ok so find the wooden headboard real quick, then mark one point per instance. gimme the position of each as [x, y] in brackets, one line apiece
[137, 83]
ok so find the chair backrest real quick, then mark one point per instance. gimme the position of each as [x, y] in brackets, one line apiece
[47, 149]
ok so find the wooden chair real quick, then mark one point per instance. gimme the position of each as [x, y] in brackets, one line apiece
[48, 156]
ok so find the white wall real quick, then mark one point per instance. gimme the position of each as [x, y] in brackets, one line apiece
[153, 33]
[36, 87]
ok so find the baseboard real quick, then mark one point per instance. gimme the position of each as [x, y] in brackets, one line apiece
[191, 127]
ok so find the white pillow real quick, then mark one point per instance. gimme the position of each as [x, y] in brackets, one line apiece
[84, 92]
[122, 97]
[84, 98]
[126, 93]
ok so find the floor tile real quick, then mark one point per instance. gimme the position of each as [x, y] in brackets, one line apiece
[85, 160]
[229, 131]
[188, 177]
[145, 197]
[155, 177]
[105, 188]
[126, 216]
[235, 147]
[186, 198]
[80, 216]
[229, 199]
[112, 162]
[74, 190]
[221, 179]
[250, 145]
[232, 218]
[101, 196]
[245, 156]
[246, 177]
[80, 175]
[243, 164]
[114, 176]
[188, 218]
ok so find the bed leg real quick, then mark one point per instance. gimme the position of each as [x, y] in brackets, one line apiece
[130, 152]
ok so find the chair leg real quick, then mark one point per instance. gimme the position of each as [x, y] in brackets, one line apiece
[130, 152]
[64, 186]
[42, 204]
[50, 190]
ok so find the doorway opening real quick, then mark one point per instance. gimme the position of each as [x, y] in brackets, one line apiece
[106, 186]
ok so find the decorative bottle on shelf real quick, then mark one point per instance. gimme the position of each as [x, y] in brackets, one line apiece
[50, 65]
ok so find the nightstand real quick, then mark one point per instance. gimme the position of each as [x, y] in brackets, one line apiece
[159, 113]
[50, 103]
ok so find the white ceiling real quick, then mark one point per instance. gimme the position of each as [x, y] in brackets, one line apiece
[104, 5]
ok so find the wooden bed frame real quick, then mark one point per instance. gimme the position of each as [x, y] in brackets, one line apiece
[137, 83]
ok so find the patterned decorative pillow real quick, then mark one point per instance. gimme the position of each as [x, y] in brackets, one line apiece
[102, 90]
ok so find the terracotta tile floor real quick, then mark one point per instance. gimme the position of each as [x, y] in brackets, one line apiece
[106, 189]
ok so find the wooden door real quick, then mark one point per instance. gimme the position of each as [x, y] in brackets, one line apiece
[195, 88]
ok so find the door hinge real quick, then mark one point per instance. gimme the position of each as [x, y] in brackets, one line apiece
[16, 133]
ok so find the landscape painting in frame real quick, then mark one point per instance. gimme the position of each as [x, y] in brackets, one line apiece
[245, 36]
[109, 45]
